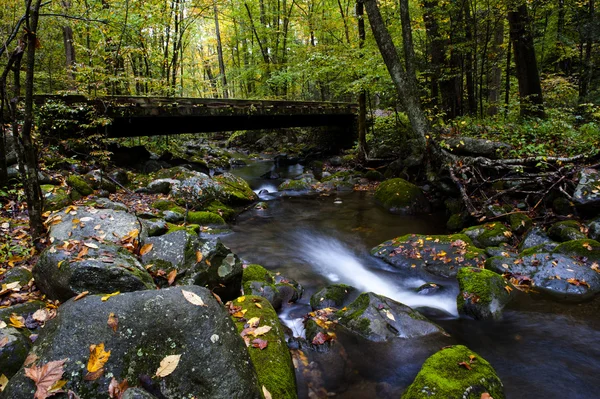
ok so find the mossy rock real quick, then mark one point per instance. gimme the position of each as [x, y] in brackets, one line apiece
[256, 272]
[563, 206]
[13, 350]
[566, 231]
[163, 205]
[489, 234]
[374, 175]
[440, 255]
[519, 222]
[79, 185]
[303, 184]
[236, 190]
[401, 197]
[205, 218]
[442, 376]
[582, 248]
[456, 222]
[273, 364]
[482, 293]
[221, 209]
[333, 296]
[256, 280]
[55, 197]
[20, 274]
[193, 229]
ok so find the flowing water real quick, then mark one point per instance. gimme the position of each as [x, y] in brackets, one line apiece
[539, 349]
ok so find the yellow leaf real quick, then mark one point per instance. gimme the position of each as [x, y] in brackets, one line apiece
[98, 358]
[105, 297]
[507, 234]
[587, 246]
[508, 289]
[193, 298]
[145, 249]
[57, 386]
[168, 365]
[3, 382]
[261, 331]
[266, 393]
[16, 321]
[91, 245]
[60, 263]
[253, 322]
[198, 256]
[241, 299]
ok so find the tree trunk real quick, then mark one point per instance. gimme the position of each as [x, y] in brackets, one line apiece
[436, 48]
[530, 89]
[220, 51]
[407, 44]
[69, 47]
[407, 92]
[495, 76]
[362, 96]
[587, 65]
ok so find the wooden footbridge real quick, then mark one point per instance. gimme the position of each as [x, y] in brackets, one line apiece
[148, 116]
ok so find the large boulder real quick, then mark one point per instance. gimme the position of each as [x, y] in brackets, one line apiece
[66, 270]
[440, 255]
[256, 280]
[534, 237]
[86, 222]
[273, 363]
[401, 197]
[172, 251]
[235, 190]
[482, 293]
[456, 372]
[569, 272]
[55, 197]
[587, 192]
[150, 326]
[476, 147]
[566, 230]
[377, 318]
[14, 348]
[489, 234]
[333, 296]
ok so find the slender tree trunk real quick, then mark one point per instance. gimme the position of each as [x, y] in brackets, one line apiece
[362, 96]
[587, 65]
[220, 51]
[562, 63]
[407, 44]
[507, 79]
[530, 88]
[436, 47]
[69, 47]
[407, 92]
[495, 76]
[470, 63]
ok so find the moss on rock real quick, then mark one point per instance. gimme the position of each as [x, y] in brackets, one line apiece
[163, 205]
[55, 197]
[331, 296]
[79, 185]
[583, 248]
[520, 223]
[442, 376]
[221, 209]
[399, 196]
[205, 218]
[482, 293]
[236, 190]
[566, 231]
[273, 364]
[193, 229]
[489, 234]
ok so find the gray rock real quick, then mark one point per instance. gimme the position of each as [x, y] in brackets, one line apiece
[169, 251]
[429, 289]
[161, 186]
[20, 274]
[335, 161]
[137, 393]
[535, 237]
[173, 217]
[99, 180]
[214, 362]
[587, 192]
[13, 351]
[120, 176]
[11, 149]
[566, 231]
[114, 225]
[107, 269]
[594, 229]
[268, 291]
[20, 309]
[489, 234]
[378, 318]
[482, 294]
[476, 147]
[108, 204]
[155, 227]
[333, 296]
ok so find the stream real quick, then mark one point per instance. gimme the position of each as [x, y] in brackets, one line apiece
[540, 348]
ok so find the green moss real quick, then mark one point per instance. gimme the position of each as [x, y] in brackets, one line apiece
[342, 175]
[256, 272]
[472, 251]
[236, 190]
[163, 205]
[519, 222]
[455, 222]
[219, 208]
[295, 185]
[205, 218]
[477, 281]
[398, 195]
[442, 377]
[580, 248]
[192, 229]
[336, 293]
[374, 175]
[355, 309]
[55, 197]
[489, 234]
[566, 231]
[532, 251]
[273, 364]
[80, 185]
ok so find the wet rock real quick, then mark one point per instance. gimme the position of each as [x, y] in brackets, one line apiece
[333, 296]
[401, 197]
[204, 218]
[173, 217]
[137, 393]
[519, 222]
[482, 293]
[429, 289]
[443, 376]
[587, 192]
[377, 318]
[489, 234]
[155, 227]
[440, 255]
[113, 225]
[566, 231]
[234, 190]
[16, 274]
[151, 325]
[273, 364]
[79, 184]
[502, 250]
[62, 274]
[21, 309]
[476, 147]
[594, 229]
[13, 351]
[170, 251]
[534, 237]
[302, 184]
[256, 280]
[374, 175]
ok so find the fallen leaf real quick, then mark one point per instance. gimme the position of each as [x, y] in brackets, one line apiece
[146, 248]
[465, 365]
[168, 365]
[3, 341]
[321, 338]
[16, 321]
[389, 315]
[3, 380]
[193, 298]
[91, 245]
[266, 393]
[261, 330]
[508, 289]
[46, 378]
[116, 389]
[113, 321]
[3, 324]
[253, 322]
[198, 256]
[587, 246]
[240, 313]
[78, 297]
[30, 359]
[260, 343]
[94, 376]
[41, 315]
[171, 276]
[98, 357]
[258, 305]
[241, 299]
[486, 395]
[107, 296]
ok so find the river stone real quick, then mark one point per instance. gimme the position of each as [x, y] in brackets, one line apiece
[273, 364]
[594, 229]
[569, 272]
[256, 280]
[114, 225]
[476, 147]
[534, 237]
[20, 274]
[302, 184]
[429, 289]
[109, 268]
[587, 192]
[155, 227]
[333, 296]
[489, 234]
[13, 351]
[214, 362]
[79, 184]
[566, 230]
[377, 318]
[235, 190]
[173, 217]
[99, 180]
[169, 251]
[442, 376]
[21, 309]
[482, 293]
[401, 197]
[220, 270]
[519, 222]
[440, 255]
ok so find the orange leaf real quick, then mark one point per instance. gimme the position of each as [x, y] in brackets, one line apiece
[116, 389]
[98, 358]
[198, 256]
[113, 321]
[46, 377]
[146, 248]
[78, 297]
[171, 276]
[465, 365]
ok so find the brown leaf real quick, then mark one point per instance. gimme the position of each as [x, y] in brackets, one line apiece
[260, 343]
[113, 321]
[321, 338]
[146, 248]
[45, 377]
[3, 341]
[171, 276]
[94, 376]
[116, 389]
[465, 365]
[198, 256]
[486, 395]
[193, 298]
[78, 297]
[30, 359]
[168, 365]
[98, 357]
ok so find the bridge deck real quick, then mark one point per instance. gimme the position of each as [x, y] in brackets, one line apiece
[146, 116]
